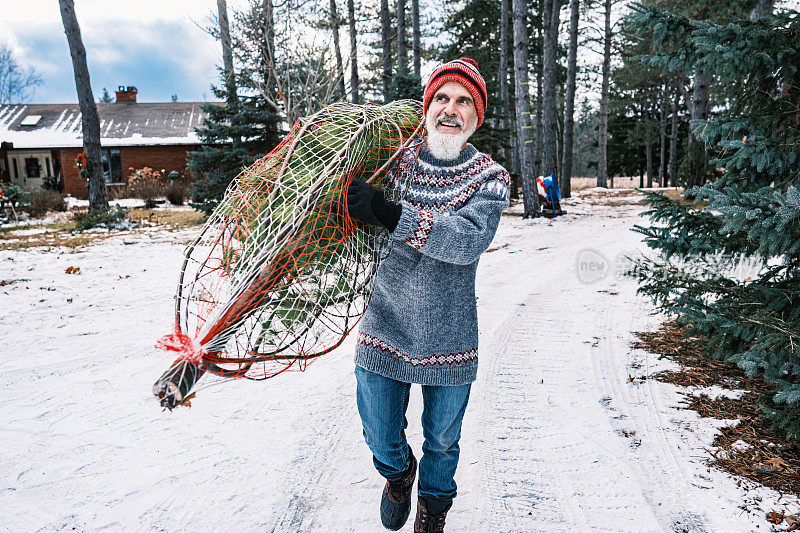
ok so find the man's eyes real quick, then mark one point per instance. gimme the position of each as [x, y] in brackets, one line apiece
[462, 100]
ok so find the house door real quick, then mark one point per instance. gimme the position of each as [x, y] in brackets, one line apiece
[28, 169]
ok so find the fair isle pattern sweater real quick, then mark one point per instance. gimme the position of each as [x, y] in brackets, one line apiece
[421, 324]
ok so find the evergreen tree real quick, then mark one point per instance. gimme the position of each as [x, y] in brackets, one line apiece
[753, 209]
[234, 136]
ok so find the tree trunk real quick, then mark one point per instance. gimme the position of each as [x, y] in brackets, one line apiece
[268, 54]
[523, 109]
[416, 48]
[386, 55]
[602, 163]
[569, 101]
[763, 7]
[502, 84]
[337, 50]
[648, 146]
[537, 154]
[673, 143]
[402, 54]
[90, 121]
[227, 64]
[549, 118]
[351, 13]
[662, 130]
[699, 112]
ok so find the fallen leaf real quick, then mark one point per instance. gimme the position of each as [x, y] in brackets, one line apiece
[69, 300]
[775, 517]
[72, 270]
[793, 521]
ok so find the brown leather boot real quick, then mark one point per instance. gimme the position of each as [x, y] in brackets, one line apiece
[396, 497]
[428, 523]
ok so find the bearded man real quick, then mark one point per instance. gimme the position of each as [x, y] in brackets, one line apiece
[421, 325]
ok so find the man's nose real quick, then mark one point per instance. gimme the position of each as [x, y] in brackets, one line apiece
[450, 109]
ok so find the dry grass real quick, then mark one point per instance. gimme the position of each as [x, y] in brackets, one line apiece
[63, 234]
[770, 459]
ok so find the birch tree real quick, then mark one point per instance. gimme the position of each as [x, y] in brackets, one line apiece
[90, 120]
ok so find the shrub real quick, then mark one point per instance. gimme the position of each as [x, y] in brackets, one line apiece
[176, 192]
[146, 184]
[109, 218]
[46, 200]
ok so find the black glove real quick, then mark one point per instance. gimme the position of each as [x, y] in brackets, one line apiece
[368, 204]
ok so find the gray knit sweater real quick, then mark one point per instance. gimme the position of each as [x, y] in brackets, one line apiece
[421, 325]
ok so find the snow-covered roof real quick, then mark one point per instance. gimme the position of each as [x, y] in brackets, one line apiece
[121, 124]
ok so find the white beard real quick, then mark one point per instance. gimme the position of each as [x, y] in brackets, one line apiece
[446, 146]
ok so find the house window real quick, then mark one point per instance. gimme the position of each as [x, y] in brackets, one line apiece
[112, 166]
[16, 170]
[47, 162]
[32, 168]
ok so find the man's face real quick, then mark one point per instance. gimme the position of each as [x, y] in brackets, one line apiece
[452, 110]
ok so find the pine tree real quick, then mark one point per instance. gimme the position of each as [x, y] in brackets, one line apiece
[234, 136]
[753, 210]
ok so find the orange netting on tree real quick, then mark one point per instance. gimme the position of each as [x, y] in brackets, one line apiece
[280, 274]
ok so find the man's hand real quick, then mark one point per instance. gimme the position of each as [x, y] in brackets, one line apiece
[369, 205]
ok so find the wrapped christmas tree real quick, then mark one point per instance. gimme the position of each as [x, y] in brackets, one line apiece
[279, 274]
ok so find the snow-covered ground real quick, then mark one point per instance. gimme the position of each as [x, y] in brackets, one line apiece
[560, 433]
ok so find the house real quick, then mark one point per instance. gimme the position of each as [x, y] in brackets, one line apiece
[39, 141]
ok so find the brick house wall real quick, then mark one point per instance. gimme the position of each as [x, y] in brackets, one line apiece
[169, 158]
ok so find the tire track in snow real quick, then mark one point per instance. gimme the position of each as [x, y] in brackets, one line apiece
[546, 472]
[663, 472]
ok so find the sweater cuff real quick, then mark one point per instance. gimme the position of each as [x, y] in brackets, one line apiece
[414, 226]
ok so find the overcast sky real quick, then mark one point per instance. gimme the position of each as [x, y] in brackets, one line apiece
[155, 45]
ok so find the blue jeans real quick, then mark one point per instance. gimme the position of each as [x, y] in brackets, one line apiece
[382, 404]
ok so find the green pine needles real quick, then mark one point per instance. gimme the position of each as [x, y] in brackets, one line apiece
[729, 260]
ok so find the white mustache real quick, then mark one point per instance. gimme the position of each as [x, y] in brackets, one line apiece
[447, 120]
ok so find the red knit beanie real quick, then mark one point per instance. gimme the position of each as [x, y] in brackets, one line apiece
[465, 71]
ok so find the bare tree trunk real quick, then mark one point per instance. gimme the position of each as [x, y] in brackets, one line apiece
[537, 154]
[551, 21]
[417, 49]
[402, 54]
[602, 163]
[673, 143]
[648, 146]
[763, 7]
[523, 108]
[227, 63]
[569, 101]
[699, 112]
[662, 130]
[268, 53]
[351, 13]
[502, 83]
[90, 121]
[386, 56]
[337, 50]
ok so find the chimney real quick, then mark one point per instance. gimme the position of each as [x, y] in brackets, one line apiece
[126, 94]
